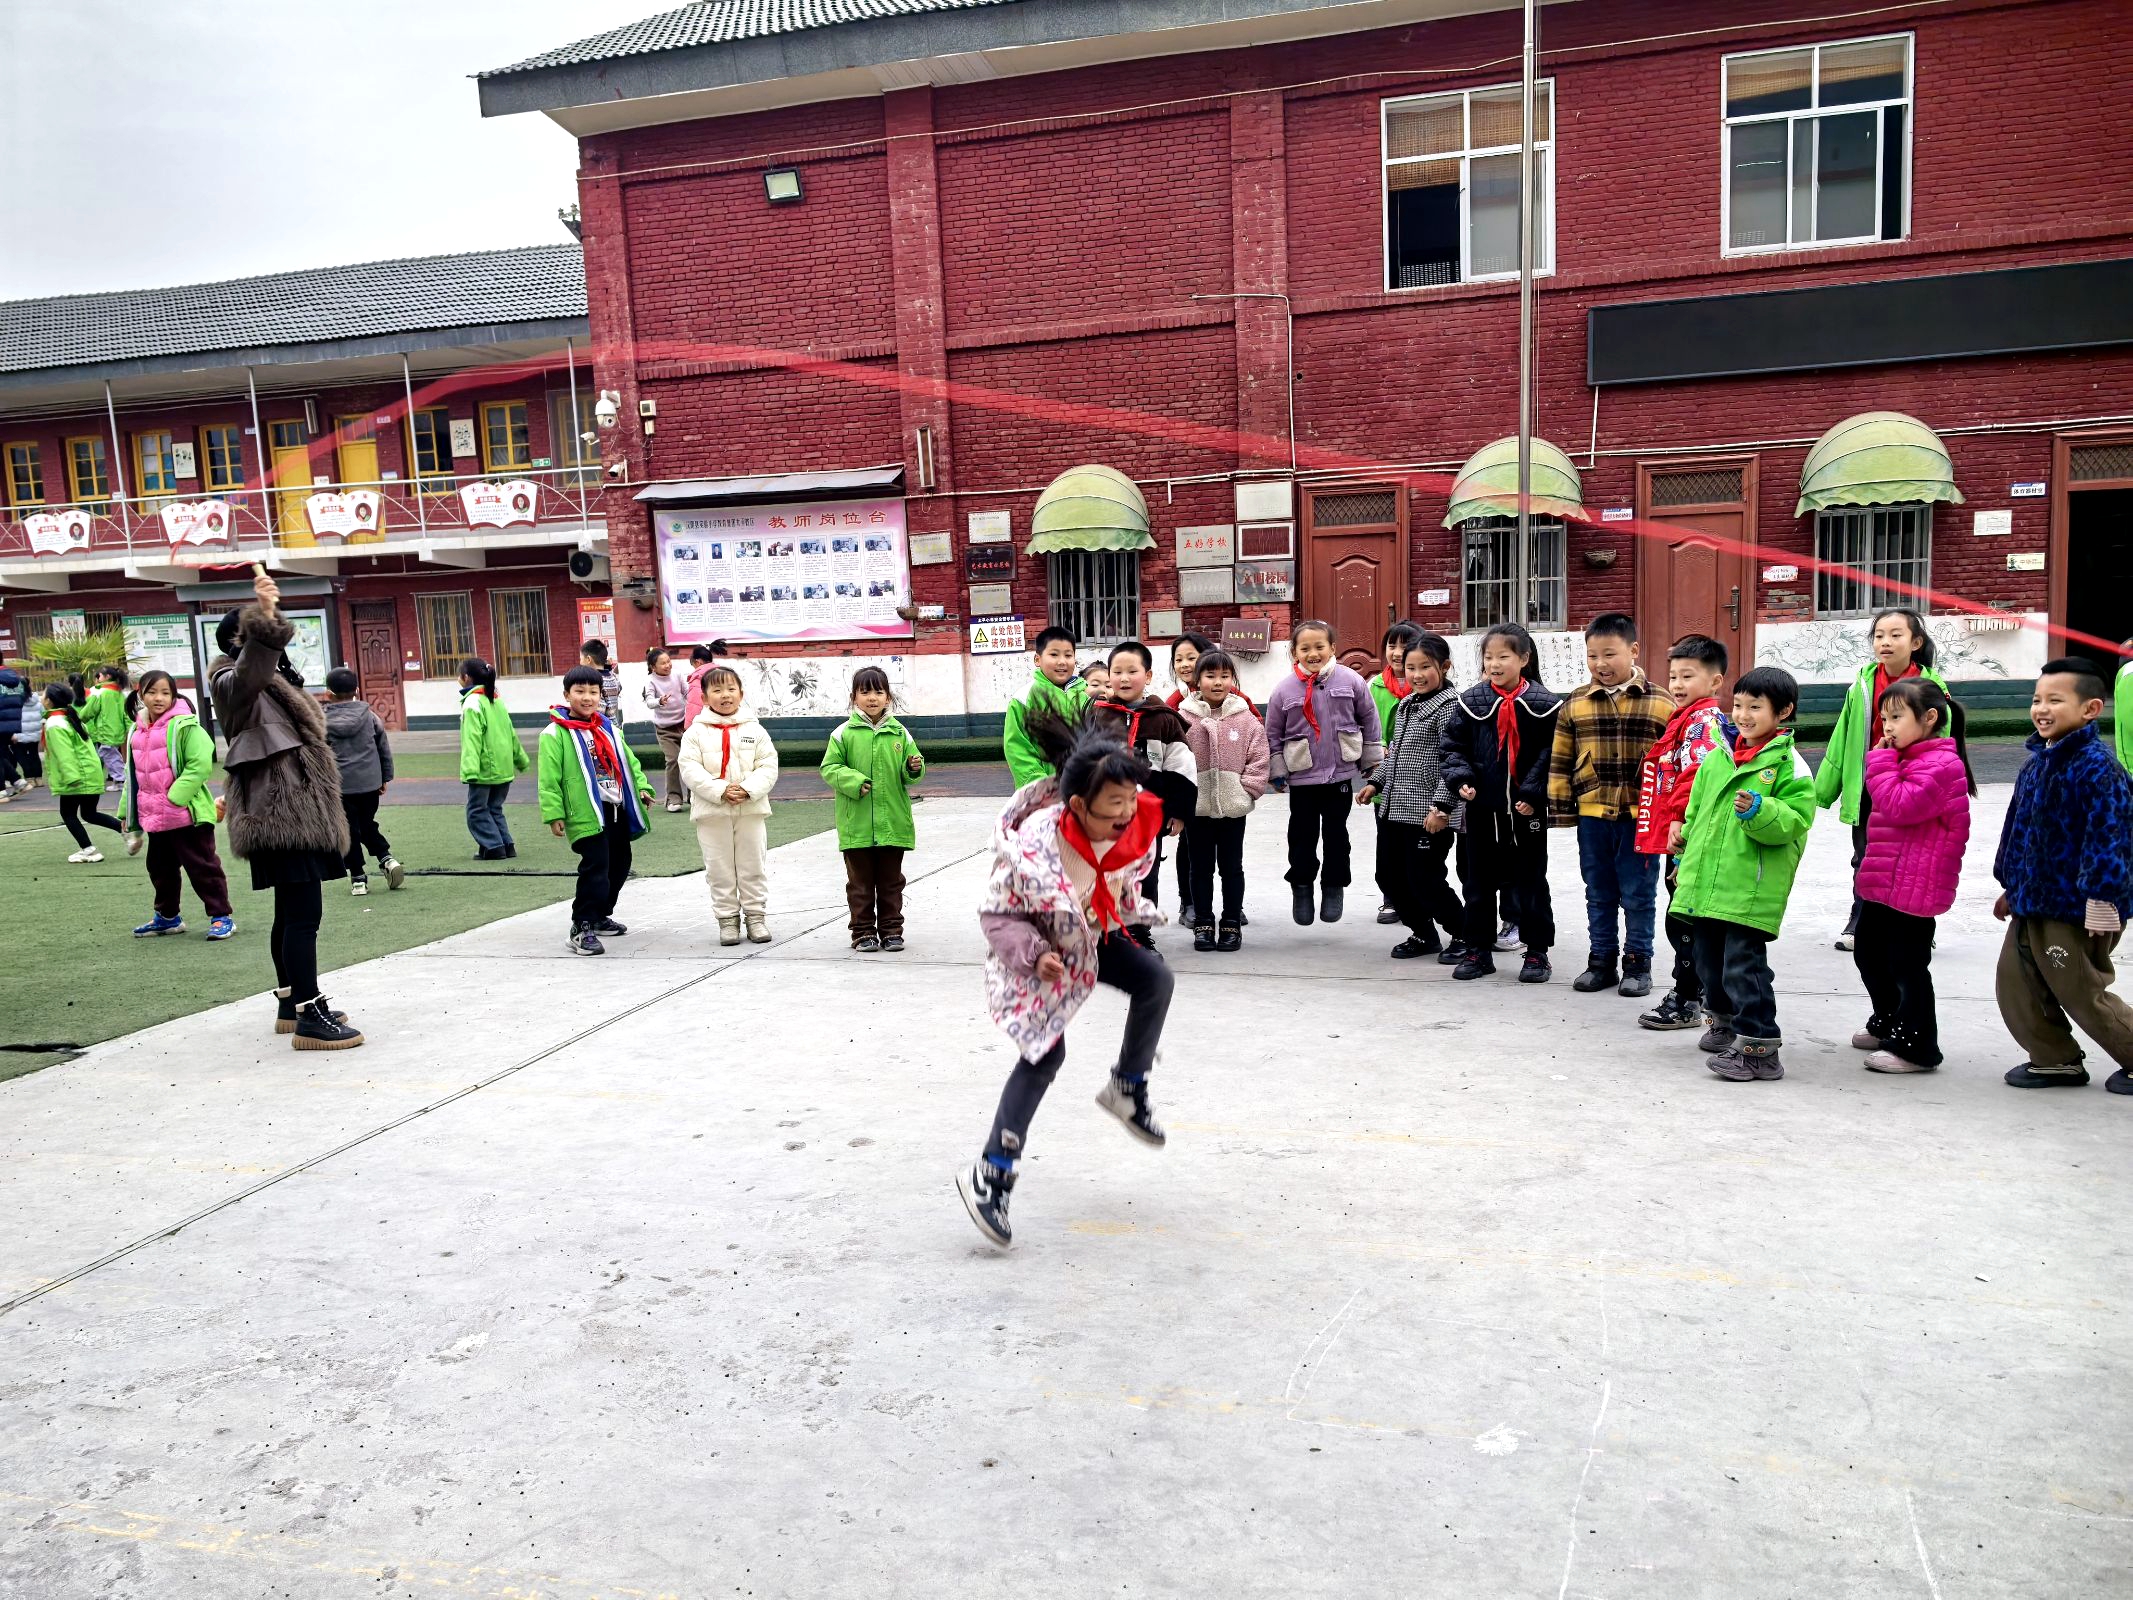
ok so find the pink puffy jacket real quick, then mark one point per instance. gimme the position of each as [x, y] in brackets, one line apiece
[1917, 828]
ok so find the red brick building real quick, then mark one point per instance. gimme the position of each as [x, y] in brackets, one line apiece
[974, 244]
[400, 442]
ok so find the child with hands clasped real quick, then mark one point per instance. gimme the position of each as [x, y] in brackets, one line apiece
[2065, 867]
[1746, 827]
[730, 766]
[1069, 857]
[593, 794]
[168, 760]
[1418, 817]
[1695, 673]
[1229, 751]
[1496, 751]
[1323, 729]
[1920, 820]
[870, 764]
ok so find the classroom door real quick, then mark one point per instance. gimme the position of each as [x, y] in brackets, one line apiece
[1693, 573]
[2089, 568]
[377, 652]
[356, 463]
[291, 455]
[1355, 566]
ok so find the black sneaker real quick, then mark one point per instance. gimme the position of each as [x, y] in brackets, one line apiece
[1188, 915]
[985, 1190]
[1304, 908]
[1410, 948]
[1243, 921]
[510, 852]
[867, 944]
[1330, 904]
[2026, 1076]
[2120, 1082]
[1600, 973]
[1227, 937]
[1454, 953]
[490, 852]
[1636, 977]
[608, 926]
[892, 942]
[1671, 1014]
[1129, 1103]
[320, 1027]
[1142, 934]
[1474, 964]
[1535, 968]
[1203, 936]
[584, 940]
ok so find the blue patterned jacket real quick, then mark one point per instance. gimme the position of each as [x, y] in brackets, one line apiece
[2068, 837]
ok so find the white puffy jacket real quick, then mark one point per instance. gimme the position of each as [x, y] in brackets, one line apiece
[753, 764]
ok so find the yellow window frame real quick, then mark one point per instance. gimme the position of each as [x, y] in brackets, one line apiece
[164, 480]
[516, 453]
[432, 480]
[227, 472]
[96, 494]
[31, 457]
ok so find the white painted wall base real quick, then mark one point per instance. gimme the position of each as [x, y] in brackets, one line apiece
[1833, 650]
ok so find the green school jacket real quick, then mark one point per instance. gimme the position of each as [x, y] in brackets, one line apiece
[71, 762]
[862, 752]
[561, 783]
[1842, 774]
[489, 751]
[104, 715]
[1024, 760]
[192, 759]
[1740, 869]
[2122, 716]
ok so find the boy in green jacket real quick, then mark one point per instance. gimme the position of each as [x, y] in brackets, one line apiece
[870, 764]
[593, 794]
[1747, 823]
[1056, 688]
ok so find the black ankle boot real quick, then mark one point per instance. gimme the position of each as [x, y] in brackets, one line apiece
[285, 1012]
[319, 1027]
[1203, 936]
[1599, 974]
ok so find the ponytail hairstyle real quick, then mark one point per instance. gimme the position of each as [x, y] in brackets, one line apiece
[1521, 642]
[1087, 758]
[115, 676]
[78, 686]
[1436, 647]
[1921, 641]
[61, 699]
[479, 675]
[1925, 697]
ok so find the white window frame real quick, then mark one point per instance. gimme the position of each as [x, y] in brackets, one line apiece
[1816, 112]
[1123, 601]
[1465, 157]
[1917, 572]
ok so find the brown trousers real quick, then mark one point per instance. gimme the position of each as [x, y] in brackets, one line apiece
[874, 889]
[670, 747]
[2050, 971]
[191, 851]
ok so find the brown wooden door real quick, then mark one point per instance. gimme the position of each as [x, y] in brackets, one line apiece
[1693, 573]
[1355, 566]
[377, 650]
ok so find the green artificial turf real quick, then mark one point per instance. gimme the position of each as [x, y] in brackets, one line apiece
[79, 975]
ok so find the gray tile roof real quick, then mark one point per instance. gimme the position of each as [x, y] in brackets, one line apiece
[722, 22]
[536, 283]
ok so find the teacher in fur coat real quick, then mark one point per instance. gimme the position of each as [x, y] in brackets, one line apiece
[284, 794]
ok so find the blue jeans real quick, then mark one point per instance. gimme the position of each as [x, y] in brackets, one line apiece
[1617, 878]
[485, 815]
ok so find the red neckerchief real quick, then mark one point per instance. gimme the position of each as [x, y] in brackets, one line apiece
[1126, 849]
[1745, 753]
[1132, 715]
[1310, 683]
[603, 747]
[1507, 723]
[1396, 687]
[1882, 680]
[725, 747]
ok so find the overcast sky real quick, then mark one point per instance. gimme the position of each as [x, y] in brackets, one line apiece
[157, 142]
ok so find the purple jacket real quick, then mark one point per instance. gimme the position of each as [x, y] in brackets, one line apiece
[1917, 827]
[1349, 741]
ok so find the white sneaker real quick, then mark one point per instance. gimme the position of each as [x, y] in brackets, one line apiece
[758, 930]
[395, 874]
[360, 886]
[1507, 936]
[88, 855]
[134, 841]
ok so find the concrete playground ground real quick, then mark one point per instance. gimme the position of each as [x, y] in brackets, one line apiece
[645, 1276]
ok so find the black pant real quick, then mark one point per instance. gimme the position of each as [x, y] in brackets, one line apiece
[293, 940]
[603, 867]
[1421, 891]
[1866, 804]
[1215, 844]
[362, 813]
[1681, 936]
[9, 771]
[75, 809]
[1738, 990]
[1315, 809]
[1894, 955]
[29, 760]
[1185, 878]
[190, 850]
[1508, 851]
[1138, 974]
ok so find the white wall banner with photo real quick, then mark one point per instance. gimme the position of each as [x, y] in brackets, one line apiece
[307, 651]
[759, 574]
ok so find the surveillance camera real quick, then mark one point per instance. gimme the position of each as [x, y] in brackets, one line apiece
[589, 436]
[608, 408]
[616, 469]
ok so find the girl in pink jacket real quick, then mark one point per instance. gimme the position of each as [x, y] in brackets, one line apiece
[1919, 822]
[1229, 748]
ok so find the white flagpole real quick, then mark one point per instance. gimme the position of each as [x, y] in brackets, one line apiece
[1524, 588]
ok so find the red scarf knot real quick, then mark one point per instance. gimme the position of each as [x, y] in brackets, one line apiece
[605, 756]
[1396, 687]
[1133, 719]
[1310, 683]
[1127, 848]
[1507, 724]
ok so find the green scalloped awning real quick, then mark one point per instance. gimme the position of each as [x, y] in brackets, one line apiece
[1090, 507]
[1877, 458]
[1487, 486]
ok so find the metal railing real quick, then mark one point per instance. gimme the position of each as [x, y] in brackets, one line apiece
[277, 520]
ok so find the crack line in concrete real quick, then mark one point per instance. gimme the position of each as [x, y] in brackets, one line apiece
[124, 1250]
[1592, 1449]
[1919, 1539]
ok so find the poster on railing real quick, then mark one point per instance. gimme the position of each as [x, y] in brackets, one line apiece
[54, 533]
[501, 505]
[342, 511]
[829, 570]
[195, 521]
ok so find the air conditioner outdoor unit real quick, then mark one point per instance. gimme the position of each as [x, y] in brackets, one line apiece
[585, 567]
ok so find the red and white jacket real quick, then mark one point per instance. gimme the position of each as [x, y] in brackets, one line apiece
[1692, 733]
